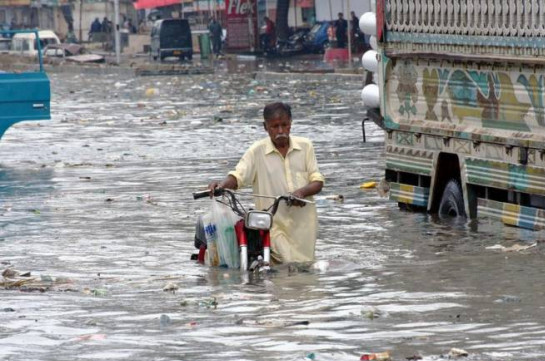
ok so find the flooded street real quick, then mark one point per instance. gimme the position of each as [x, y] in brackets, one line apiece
[96, 205]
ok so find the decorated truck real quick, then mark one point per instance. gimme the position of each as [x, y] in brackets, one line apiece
[24, 95]
[461, 89]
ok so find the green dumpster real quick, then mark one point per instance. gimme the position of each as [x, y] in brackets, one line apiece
[204, 45]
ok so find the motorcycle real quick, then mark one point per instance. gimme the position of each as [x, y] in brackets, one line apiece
[252, 230]
[291, 46]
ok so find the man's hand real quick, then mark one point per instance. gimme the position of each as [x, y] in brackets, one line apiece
[298, 194]
[309, 190]
[212, 186]
[229, 182]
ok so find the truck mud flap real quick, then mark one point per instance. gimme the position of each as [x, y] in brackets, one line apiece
[408, 194]
[512, 214]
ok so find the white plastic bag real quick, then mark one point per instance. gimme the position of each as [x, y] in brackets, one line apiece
[211, 235]
[227, 244]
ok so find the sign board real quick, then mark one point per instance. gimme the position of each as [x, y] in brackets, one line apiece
[241, 24]
[305, 3]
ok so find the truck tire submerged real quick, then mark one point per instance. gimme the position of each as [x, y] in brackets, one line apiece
[452, 201]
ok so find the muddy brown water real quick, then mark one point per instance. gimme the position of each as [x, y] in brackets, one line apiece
[96, 204]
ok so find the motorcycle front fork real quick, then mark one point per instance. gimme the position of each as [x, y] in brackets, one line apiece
[243, 244]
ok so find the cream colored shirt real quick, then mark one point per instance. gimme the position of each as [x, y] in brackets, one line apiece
[294, 231]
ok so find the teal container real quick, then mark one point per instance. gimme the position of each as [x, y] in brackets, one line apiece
[204, 45]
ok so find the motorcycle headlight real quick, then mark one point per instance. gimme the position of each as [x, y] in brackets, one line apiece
[258, 220]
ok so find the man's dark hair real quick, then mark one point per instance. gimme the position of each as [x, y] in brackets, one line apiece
[276, 110]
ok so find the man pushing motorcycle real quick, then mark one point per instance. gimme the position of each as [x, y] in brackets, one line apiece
[277, 165]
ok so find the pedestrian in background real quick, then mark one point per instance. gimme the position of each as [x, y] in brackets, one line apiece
[216, 32]
[96, 28]
[331, 37]
[268, 34]
[341, 27]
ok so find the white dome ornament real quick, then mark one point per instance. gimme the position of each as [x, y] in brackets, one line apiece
[370, 96]
[368, 23]
[369, 61]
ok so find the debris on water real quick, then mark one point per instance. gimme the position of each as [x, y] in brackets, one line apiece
[46, 278]
[508, 299]
[164, 320]
[413, 358]
[368, 185]
[208, 303]
[379, 356]
[310, 356]
[371, 313]
[383, 188]
[97, 292]
[458, 352]
[150, 92]
[514, 248]
[170, 287]
[336, 197]
[10, 273]
[8, 309]
[93, 337]
[271, 323]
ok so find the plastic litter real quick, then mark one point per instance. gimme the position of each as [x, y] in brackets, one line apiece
[379, 356]
[368, 185]
[170, 287]
[514, 248]
[211, 236]
[458, 352]
[224, 219]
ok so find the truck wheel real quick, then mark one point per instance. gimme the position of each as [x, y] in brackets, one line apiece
[452, 201]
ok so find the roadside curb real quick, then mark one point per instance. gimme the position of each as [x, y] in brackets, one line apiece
[263, 76]
[322, 77]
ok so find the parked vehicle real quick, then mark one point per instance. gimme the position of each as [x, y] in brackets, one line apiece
[292, 46]
[24, 95]
[464, 119]
[5, 45]
[252, 230]
[171, 38]
[316, 41]
[28, 44]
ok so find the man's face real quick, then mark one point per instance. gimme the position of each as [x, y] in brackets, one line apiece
[279, 130]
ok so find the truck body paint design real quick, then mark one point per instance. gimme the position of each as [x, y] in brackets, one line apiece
[462, 89]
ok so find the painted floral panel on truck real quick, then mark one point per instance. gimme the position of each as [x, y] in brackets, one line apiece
[464, 97]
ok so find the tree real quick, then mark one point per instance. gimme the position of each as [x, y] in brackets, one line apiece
[282, 28]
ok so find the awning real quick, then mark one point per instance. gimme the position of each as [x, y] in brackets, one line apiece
[150, 4]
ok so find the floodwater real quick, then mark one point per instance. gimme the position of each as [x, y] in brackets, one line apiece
[96, 205]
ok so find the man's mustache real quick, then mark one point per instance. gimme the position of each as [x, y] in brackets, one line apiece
[280, 136]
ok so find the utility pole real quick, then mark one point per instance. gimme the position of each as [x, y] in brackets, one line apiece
[80, 19]
[116, 34]
[350, 30]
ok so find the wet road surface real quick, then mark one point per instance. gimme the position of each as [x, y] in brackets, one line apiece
[96, 204]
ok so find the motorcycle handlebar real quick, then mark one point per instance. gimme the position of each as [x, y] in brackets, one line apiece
[203, 194]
